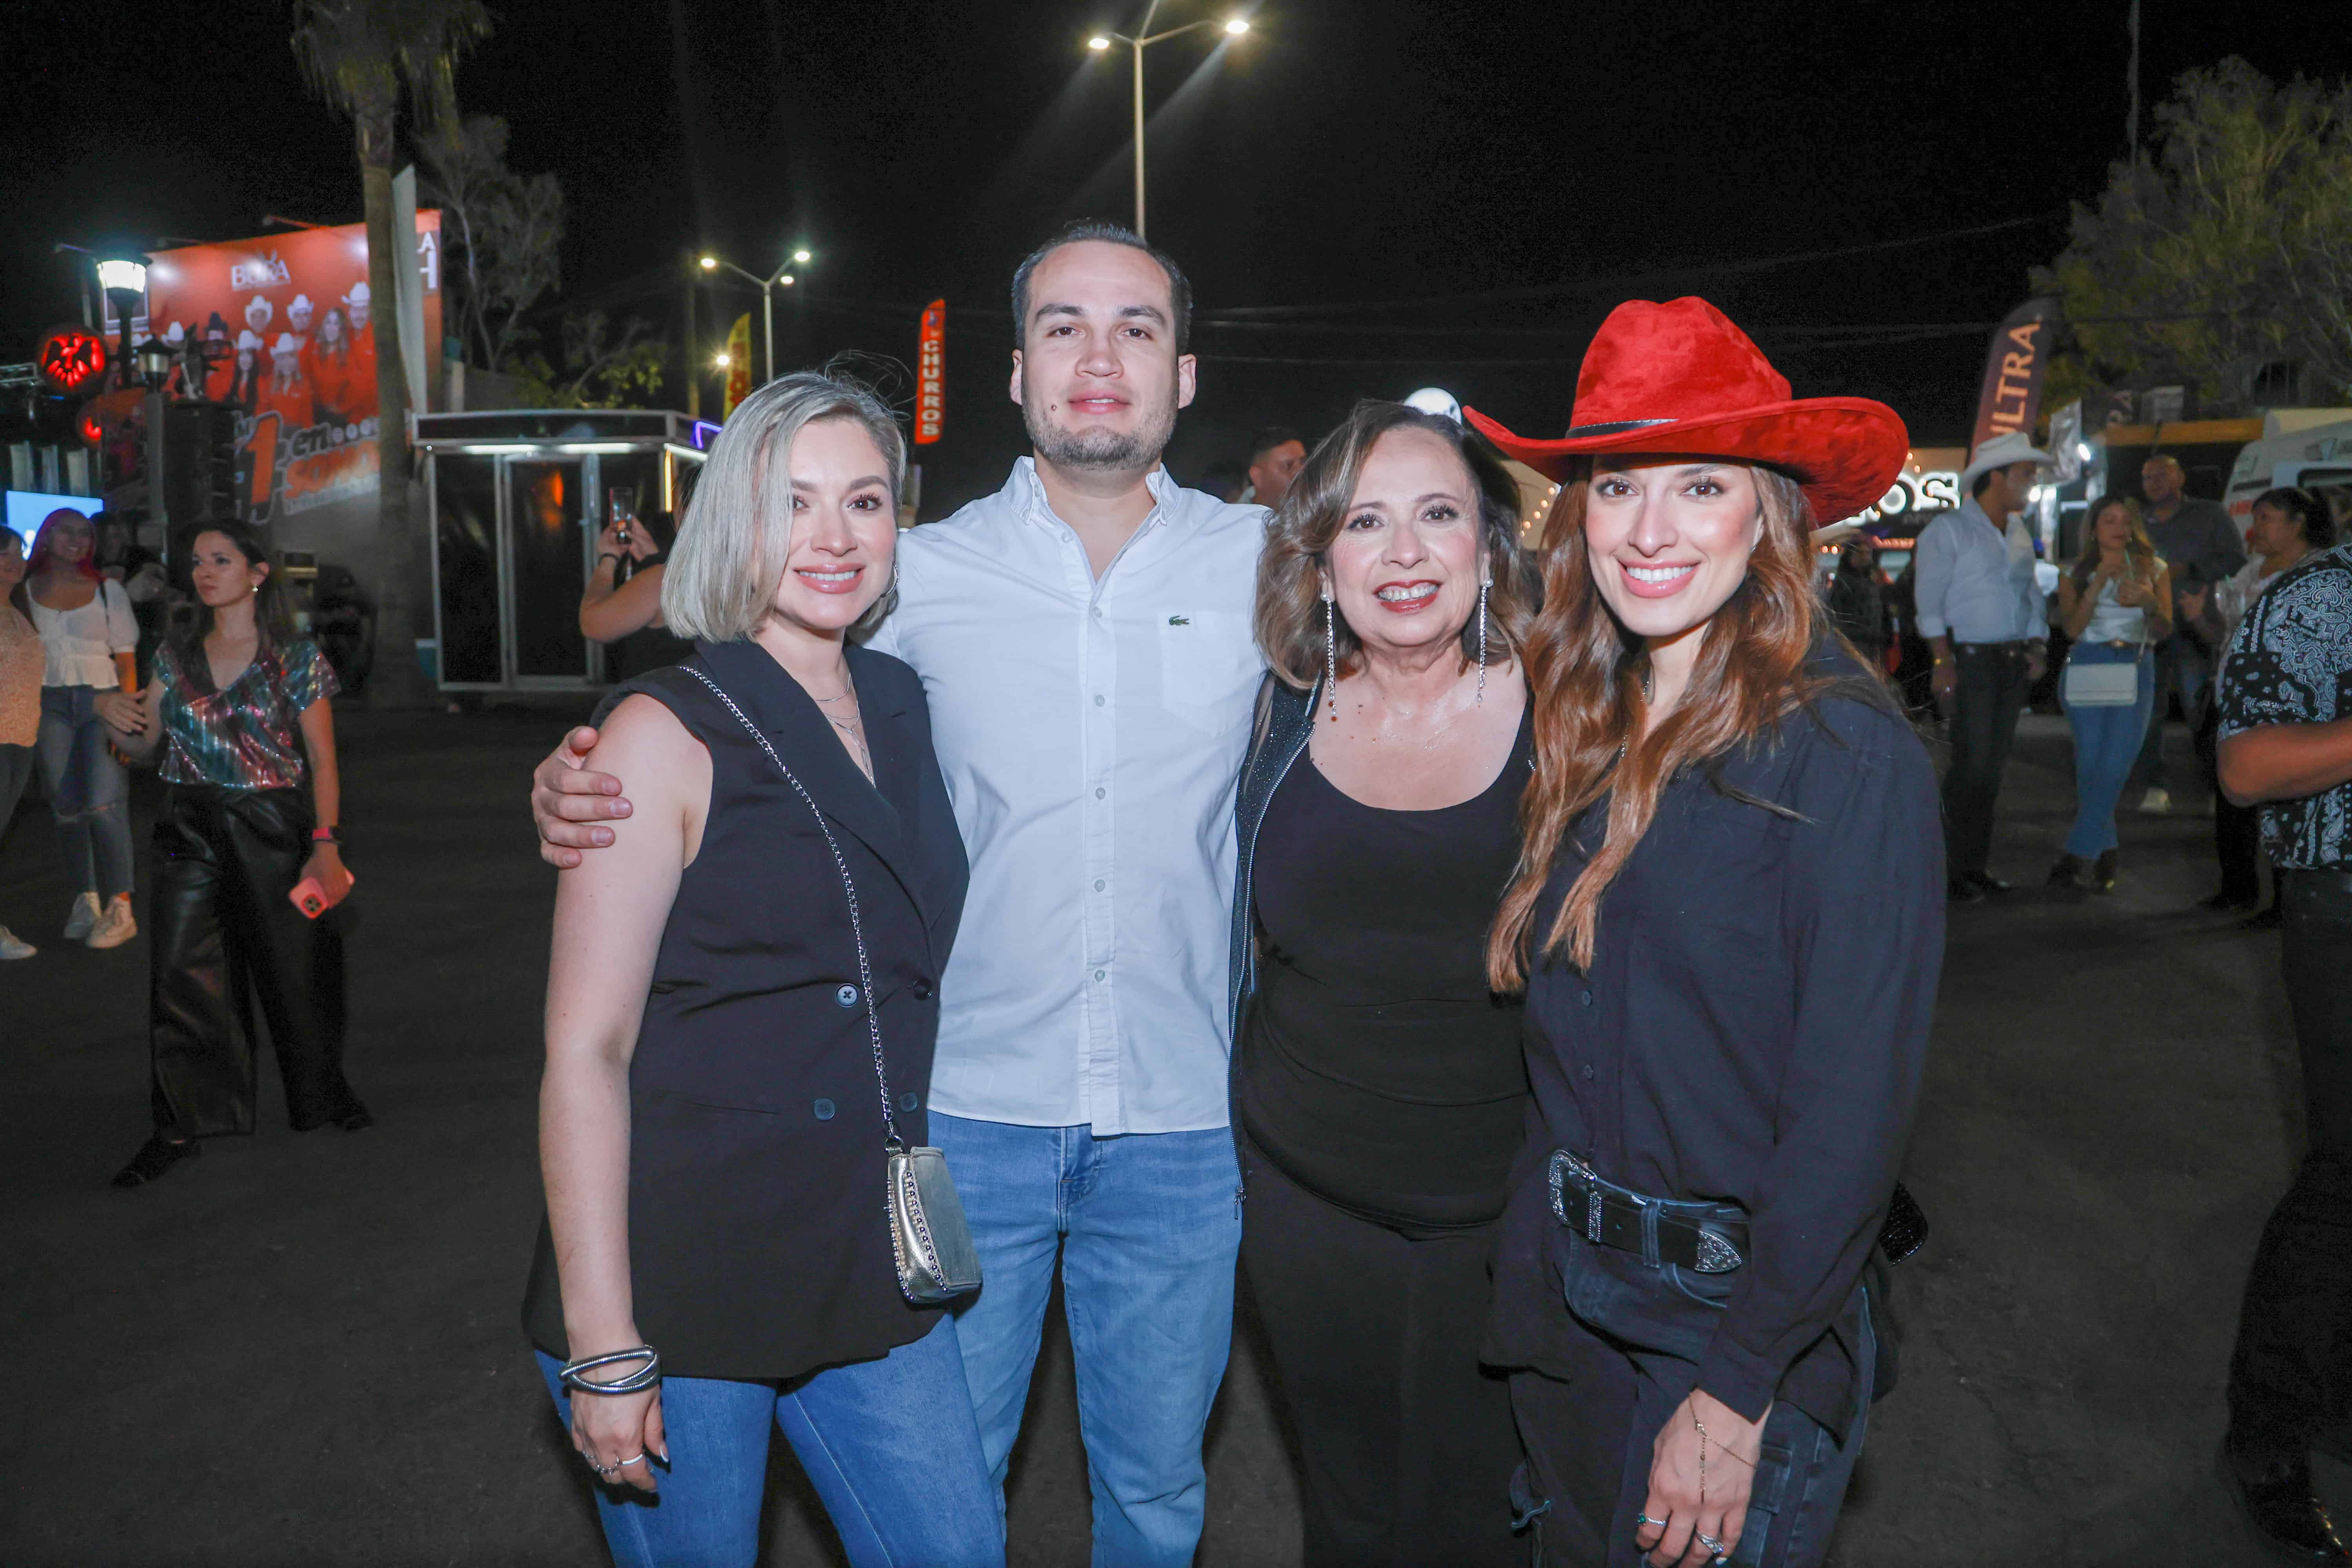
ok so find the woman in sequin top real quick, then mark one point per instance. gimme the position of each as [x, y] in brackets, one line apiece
[248, 865]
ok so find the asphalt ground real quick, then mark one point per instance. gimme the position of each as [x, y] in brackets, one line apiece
[303, 1349]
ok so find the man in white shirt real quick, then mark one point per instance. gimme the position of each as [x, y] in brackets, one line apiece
[1983, 614]
[1084, 638]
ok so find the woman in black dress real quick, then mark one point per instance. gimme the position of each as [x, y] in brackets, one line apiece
[741, 1007]
[1378, 1088]
[1728, 918]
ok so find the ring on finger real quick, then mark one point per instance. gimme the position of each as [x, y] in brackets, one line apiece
[1709, 1542]
[633, 1458]
[1642, 1519]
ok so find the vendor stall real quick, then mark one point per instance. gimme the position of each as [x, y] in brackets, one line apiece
[517, 499]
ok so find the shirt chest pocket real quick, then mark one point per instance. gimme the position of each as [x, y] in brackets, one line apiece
[1209, 666]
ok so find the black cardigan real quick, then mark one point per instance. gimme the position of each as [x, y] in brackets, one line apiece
[758, 1242]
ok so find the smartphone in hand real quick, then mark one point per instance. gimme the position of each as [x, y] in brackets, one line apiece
[310, 898]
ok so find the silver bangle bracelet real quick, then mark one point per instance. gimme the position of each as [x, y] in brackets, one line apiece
[572, 1374]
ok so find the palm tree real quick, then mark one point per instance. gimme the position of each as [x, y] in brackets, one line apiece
[359, 55]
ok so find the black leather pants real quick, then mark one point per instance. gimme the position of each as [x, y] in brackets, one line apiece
[225, 936]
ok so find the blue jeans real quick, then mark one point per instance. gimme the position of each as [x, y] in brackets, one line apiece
[1635, 1330]
[87, 789]
[2179, 663]
[16, 772]
[2107, 742]
[1147, 1226]
[889, 1445]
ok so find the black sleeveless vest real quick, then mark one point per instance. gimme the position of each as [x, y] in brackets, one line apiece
[759, 1242]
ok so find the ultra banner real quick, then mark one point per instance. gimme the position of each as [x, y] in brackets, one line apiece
[295, 329]
[2015, 369]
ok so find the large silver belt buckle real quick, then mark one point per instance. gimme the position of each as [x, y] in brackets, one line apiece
[1563, 1165]
[1716, 1256]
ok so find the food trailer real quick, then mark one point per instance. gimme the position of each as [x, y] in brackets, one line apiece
[516, 498]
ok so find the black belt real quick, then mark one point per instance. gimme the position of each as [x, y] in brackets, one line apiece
[1610, 1215]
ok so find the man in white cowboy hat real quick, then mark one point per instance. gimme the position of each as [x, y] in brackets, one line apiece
[258, 311]
[1985, 618]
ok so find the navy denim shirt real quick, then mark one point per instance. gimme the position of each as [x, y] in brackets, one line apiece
[1752, 1030]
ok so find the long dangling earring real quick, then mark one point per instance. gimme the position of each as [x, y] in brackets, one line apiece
[1484, 584]
[1331, 655]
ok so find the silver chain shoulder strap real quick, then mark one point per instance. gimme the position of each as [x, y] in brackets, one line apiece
[856, 927]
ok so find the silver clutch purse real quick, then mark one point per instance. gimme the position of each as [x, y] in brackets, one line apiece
[928, 1233]
[929, 1236]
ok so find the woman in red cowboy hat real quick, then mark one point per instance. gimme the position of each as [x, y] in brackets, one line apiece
[1727, 918]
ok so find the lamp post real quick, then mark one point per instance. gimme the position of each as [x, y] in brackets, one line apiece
[781, 279]
[124, 274]
[1145, 38]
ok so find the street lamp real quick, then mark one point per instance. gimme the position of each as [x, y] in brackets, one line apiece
[1145, 38]
[154, 359]
[767, 286]
[124, 274]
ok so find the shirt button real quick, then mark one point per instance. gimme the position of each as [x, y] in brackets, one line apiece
[1099, 701]
[922, 989]
[1099, 884]
[846, 996]
[1585, 998]
[909, 1101]
[1098, 974]
[824, 1108]
[1098, 793]
[1588, 1075]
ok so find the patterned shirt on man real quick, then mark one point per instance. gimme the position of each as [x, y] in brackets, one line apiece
[248, 736]
[2291, 663]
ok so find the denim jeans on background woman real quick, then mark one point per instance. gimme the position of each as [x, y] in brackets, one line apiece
[2107, 744]
[88, 790]
[890, 1447]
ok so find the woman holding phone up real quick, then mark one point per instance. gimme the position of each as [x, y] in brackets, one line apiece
[239, 709]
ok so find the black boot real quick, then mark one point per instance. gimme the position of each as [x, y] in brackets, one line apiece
[2103, 872]
[155, 1156]
[2070, 873]
[2277, 1503]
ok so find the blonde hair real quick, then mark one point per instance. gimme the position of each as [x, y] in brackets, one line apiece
[720, 584]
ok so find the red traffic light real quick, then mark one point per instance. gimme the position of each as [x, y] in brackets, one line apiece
[70, 359]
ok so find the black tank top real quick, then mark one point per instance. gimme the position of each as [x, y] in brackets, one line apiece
[1375, 1067]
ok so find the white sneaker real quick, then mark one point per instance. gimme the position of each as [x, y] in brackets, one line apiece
[14, 946]
[116, 926]
[81, 918]
[2156, 802]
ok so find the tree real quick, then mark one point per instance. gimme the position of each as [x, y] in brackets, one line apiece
[503, 234]
[598, 370]
[2225, 261]
[361, 57]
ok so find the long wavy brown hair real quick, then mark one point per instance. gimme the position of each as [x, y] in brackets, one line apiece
[1585, 674]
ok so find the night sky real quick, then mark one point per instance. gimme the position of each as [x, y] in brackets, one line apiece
[1347, 152]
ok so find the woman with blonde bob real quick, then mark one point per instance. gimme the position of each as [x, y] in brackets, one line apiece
[742, 1004]
[1728, 919]
[1378, 1093]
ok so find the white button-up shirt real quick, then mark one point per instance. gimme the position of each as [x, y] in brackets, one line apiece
[1091, 731]
[1977, 582]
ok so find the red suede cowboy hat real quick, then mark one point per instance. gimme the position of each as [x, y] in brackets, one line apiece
[1679, 378]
